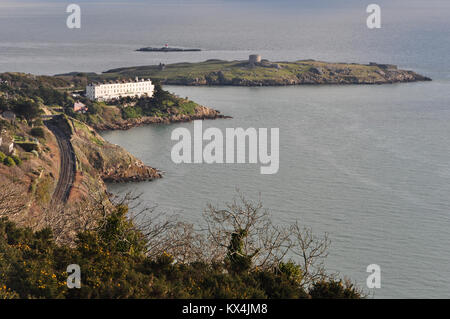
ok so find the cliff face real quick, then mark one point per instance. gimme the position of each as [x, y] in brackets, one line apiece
[109, 162]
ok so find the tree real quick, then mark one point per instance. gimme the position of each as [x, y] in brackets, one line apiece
[27, 108]
[236, 259]
[244, 232]
[4, 105]
[38, 132]
[120, 235]
[312, 251]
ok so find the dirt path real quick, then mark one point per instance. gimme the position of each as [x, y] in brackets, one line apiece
[67, 168]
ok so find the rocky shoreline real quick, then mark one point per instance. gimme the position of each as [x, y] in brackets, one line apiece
[104, 161]
[315, 76]
[201, 113]
[137, 172]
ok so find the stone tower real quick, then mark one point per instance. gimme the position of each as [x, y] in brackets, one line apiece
[254, 59]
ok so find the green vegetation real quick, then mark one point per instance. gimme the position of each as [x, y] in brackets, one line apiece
[131, 112]
[118, 261]
[26, 108]
[159, 104]
[44, 189]
[2, 157]
[49, 90]
[30, 96]
[334, 289]
[38, 132]
[162, 104]
[24, 94]
[9, 161]
[16, 159]
[28, 146]
[241, 73]
[187, 107]
[213, 71]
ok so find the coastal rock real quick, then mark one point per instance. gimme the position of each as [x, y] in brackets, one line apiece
[137, 172]
[109, 162]
[200, 113]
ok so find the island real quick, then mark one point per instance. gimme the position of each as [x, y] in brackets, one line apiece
[167, 49]
[260, 72]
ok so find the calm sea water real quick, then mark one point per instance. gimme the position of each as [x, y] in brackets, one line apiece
[370, 165]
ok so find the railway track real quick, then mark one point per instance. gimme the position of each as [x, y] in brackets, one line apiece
[67, 167]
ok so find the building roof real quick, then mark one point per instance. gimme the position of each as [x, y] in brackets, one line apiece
[120, 81]
[9, 115]
[78, 106]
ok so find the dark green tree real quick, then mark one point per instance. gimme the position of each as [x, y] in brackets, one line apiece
[27, 108]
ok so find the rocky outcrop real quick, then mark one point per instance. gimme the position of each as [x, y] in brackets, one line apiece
[201, 113]
[111, 163]
[134, 172]
[314, 76]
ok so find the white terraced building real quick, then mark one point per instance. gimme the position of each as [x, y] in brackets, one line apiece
[114, 90]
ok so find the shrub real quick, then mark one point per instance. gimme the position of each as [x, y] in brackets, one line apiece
[38, 122]
[131, 112]
[95, 108]
[2, 157]
[8, 161]
[334, 289]
[26, 108]
[38, 132]
[115, 264]
[28, 146]
[43, 190]
[188, 107]
[16, 159]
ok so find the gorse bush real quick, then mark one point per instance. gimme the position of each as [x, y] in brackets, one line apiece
[119, 260]
[131, 112]
[16, 159]
[334, 289]
[9, 161]
[38, 132]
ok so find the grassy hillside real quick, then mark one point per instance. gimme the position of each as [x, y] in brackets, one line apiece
[218, 72]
